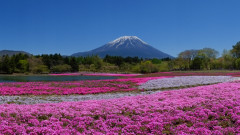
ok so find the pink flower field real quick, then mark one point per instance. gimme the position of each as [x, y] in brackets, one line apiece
[203, 110]
[77, 87]
[95, 74]
[111, 74]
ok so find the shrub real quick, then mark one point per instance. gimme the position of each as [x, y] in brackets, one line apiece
[61, 68]
[40, 69]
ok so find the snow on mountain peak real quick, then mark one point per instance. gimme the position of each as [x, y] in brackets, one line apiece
[122, 39]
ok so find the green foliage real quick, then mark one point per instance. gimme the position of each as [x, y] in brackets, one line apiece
[126, 67]
[146, 67]
[181, 64]
[107, 67]
[196, 63]
[95, 62]
[52, 60]
[209, 53]
[81, 67]
[40, 69]
[227, 60]
[203, 59]
[236, 50]
[74, 64]
[163, 67]
[156, 61]
[118, 60]
[185, 58]
[198, 59]
[92, 67]
[237, 63]
[6, 65]
[216, 64]
[61, 68]
[22, 66]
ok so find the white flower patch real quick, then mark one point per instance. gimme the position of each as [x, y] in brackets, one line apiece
[66, 98]
[185, 81]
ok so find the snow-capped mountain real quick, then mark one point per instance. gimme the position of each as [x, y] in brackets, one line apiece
[126, 46]
[126, 41]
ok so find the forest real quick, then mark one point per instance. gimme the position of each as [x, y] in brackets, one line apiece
[203, 59]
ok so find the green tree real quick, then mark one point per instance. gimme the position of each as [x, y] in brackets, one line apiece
[156, 61]
[23, 66]
[216, 64]
[163, 67]
[34, 62]
[237, 63]
[227, 59]
[196, 63]
[236, 50]
[52, 60]
[148, 67]
[117, 60]
[185, 58]
[61, 68]
[40, 69]
[209, 53]
[74, 64]
[6, 65]
[92, 68]
[126, 67]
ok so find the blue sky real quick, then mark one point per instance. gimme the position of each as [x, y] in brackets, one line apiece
[70, 26]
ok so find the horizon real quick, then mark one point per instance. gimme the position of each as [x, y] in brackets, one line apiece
[67, 27]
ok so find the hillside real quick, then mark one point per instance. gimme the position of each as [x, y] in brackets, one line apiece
[11, 52]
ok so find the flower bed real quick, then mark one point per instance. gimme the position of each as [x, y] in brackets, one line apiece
[140, 81]
[184, 81]
[77, 87]
[64, 88]
[210, 73]
[111, 74]
[212, 109]
[95, 74]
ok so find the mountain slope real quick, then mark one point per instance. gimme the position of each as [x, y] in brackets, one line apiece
[126, 46]
[11, 52]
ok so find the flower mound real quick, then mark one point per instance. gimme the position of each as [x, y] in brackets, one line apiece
[210, 73]
[111, 74]
[64, 88]
[184, 81]
[77, 87]
[213, 109]
[95, 74]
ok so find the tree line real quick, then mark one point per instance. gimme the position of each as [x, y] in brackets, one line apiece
[207, 59]
[55, 63]
[23, 63]
[203, 59]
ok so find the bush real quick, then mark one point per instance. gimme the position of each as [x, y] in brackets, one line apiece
[40, 69]
[146, 67]
[61, 68]
[163, 67]
[237, 63]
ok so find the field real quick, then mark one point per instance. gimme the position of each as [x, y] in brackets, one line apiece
[161, 103]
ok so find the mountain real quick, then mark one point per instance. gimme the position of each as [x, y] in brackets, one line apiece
[126, 46]
[11, 52]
